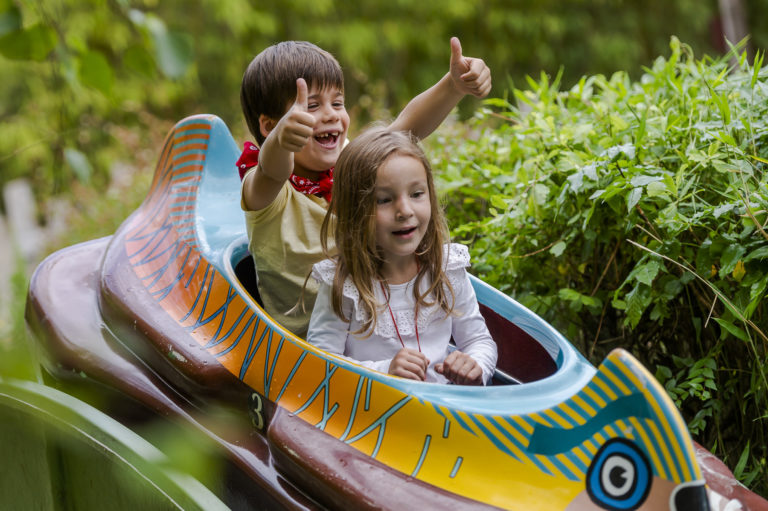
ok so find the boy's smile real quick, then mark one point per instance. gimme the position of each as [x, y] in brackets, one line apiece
[330, 132]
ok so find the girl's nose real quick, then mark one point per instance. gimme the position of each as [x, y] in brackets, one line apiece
[404, 210]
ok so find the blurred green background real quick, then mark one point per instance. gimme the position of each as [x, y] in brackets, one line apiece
[91, 87]
[85, 82]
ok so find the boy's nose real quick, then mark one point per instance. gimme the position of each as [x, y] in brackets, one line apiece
[329, 113]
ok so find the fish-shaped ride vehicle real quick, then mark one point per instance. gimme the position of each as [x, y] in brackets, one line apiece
[166, 313]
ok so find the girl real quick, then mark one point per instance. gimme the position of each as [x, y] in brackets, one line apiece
[397, 291]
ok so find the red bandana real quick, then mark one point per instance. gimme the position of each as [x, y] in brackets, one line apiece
[320, 187]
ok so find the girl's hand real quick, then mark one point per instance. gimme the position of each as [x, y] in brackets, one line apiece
[469, 75]
[297, 125]
[461, 369]
[410, 364]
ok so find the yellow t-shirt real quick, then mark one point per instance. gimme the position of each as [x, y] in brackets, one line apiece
[284, 239]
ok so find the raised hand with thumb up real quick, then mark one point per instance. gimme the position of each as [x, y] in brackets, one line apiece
[469, 75]
[296, 127]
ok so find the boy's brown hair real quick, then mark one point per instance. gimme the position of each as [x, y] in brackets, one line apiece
[269, 83]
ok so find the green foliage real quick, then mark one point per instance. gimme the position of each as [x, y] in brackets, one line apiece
[634, 214]
[77, 71]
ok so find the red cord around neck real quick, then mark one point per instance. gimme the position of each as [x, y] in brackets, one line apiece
[397, 330]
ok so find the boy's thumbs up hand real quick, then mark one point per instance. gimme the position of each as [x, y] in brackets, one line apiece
[301, 95]
[296, 127]
[470, 75]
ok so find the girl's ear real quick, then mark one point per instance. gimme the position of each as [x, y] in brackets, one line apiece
[266, 125]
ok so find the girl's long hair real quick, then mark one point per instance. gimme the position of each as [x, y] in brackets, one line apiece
[352, 219]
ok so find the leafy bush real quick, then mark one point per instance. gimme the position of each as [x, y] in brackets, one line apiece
[633, 214]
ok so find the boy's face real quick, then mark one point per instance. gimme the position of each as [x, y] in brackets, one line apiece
[330, 132]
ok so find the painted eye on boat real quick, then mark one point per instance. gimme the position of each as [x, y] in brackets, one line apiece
[619, 477]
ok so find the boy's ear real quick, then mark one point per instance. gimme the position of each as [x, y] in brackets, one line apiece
[266, 125]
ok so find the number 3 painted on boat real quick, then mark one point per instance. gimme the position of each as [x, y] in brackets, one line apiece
[256, 411]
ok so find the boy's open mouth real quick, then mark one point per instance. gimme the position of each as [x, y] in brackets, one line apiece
[328, 139]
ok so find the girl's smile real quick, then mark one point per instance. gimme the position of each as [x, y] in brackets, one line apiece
[403, 213]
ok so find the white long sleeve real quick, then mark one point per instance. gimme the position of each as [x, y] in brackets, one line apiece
[435, 328]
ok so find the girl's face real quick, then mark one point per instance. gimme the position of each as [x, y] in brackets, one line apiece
[403, 209]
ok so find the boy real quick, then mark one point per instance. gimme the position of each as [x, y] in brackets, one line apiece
[292, 97]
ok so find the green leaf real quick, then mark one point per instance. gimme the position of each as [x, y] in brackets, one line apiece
[639, 181]
[498, 202]
[634, 198]
[95, 71]
[647, 272]
[760, 253]
[738, 470]
[558, 248]
[730, 258]
[79, 164]
[638, 300]
[723, 208]
[33, 43]
[656, 188]
[732, 329]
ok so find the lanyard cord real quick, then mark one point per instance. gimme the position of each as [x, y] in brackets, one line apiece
[397, 330]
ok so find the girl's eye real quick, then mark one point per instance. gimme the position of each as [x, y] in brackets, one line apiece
[382, 200]
[418, 194]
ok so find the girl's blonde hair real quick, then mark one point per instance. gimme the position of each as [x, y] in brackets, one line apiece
[352, 218]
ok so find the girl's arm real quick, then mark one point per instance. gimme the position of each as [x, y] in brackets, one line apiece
[424, 113]
[328, 332]
[470, 332]
[289, 135]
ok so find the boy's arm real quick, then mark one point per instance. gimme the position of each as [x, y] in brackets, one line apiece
[424, 113]
[288, 136]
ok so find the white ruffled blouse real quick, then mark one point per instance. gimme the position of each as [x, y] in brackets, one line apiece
[468, 329]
